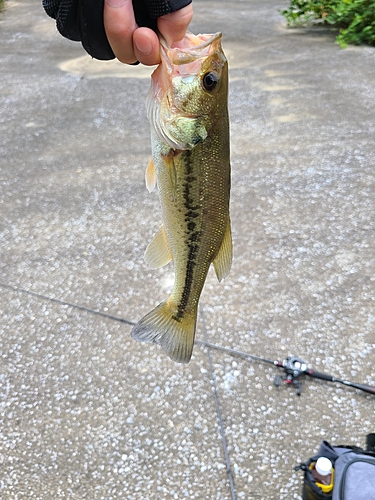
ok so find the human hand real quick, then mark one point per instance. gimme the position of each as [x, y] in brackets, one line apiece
[130, 43]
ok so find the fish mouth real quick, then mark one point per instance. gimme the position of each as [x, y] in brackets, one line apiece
[184, 60]
[190, 48]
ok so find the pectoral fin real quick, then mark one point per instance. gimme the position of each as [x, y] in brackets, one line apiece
[172, 174]
[158, 253]
[223, 260]
[150, 176]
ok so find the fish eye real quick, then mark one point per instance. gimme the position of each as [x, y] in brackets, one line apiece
[210, 81]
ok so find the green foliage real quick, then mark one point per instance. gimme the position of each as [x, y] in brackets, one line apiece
[354, 18]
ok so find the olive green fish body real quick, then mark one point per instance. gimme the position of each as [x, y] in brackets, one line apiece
[190, 151]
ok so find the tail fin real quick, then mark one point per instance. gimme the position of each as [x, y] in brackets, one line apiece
[175, 335]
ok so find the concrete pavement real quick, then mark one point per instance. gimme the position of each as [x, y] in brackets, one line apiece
[86, 412]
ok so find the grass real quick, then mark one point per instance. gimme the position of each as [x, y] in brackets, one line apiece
[354, 18]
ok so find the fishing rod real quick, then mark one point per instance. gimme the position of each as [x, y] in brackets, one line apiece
[293, 368]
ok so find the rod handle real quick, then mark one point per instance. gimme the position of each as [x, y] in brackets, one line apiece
[320, 375]
[362, 387]
[324, 376]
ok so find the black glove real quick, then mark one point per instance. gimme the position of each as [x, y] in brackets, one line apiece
[82, 20]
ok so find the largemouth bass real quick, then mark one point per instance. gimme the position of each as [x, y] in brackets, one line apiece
[188, 112]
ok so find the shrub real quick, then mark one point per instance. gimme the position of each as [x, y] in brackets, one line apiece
[354, 18]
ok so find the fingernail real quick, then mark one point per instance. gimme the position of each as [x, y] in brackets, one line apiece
[116, 3]
[144, 46]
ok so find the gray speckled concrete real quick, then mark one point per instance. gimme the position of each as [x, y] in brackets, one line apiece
[86, 412]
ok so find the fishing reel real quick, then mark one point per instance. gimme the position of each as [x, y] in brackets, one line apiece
[293, 367]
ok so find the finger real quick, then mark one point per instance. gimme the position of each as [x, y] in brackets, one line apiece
[119, 24]
[146, 46]
[173, 26]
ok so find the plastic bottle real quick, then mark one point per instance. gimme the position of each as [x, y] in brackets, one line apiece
[322, 472]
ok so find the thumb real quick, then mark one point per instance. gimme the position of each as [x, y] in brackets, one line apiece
[173, 26]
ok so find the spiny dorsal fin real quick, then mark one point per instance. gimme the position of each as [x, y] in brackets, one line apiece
[158, 252]
[150, 176]
[223, 260]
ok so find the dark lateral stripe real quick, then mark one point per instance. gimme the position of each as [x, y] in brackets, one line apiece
[193, 236]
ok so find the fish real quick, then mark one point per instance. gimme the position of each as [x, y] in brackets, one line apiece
[187, 107]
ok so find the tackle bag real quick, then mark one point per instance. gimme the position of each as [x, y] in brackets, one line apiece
[354, 472]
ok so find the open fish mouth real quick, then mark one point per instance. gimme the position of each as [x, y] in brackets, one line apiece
[192, 47]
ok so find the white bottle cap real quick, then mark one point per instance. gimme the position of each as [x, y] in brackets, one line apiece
[323, 466]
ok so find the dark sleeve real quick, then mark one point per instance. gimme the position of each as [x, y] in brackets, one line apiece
[82, 20]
